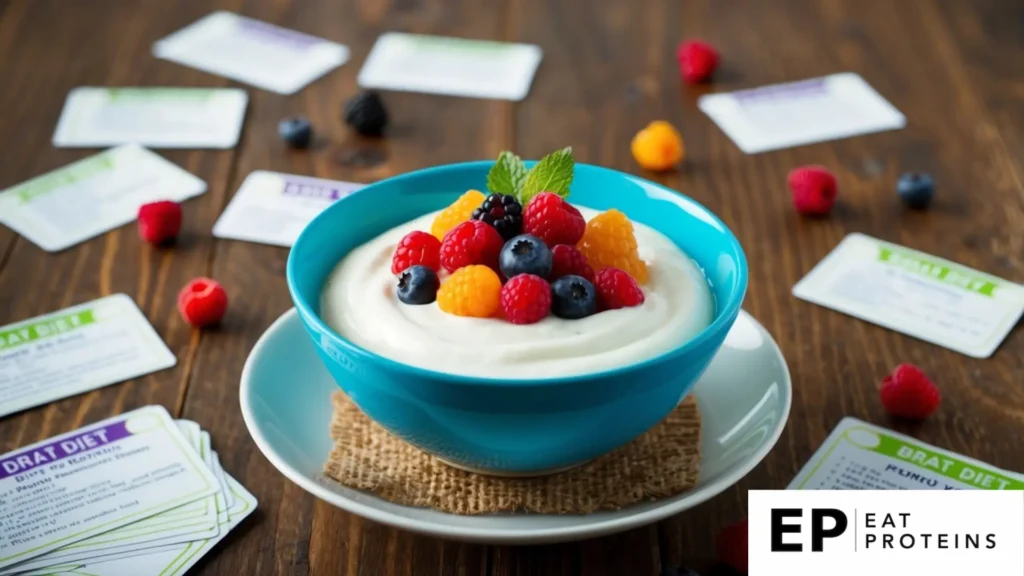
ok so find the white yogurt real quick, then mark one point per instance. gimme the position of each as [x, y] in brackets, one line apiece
[359, 303]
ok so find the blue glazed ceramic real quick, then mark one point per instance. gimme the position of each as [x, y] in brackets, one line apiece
[514, 427]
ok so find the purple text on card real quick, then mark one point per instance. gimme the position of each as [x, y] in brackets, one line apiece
[806, 88]
[314, 188]
[77, 443]
[272, 33]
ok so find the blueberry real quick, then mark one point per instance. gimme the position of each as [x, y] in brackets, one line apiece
[573, 297]
[297, 132]
[418, 285]
[525, 254]
[916, 189]
[366, 114]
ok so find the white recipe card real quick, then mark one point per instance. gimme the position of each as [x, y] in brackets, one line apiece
[94, 480]
[915, 293]
[453, 66]
[797, 113]
[154, 117]
[76, 350]
[273, 208]
[251, 51]
[94, 195]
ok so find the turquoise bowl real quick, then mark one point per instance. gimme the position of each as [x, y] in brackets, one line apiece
[514, 427]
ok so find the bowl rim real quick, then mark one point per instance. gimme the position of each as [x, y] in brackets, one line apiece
[724, 316]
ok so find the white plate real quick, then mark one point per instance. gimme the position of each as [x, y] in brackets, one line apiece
[744, 399]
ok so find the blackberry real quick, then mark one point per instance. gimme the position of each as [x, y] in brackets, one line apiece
[503, 212]
[366, 114]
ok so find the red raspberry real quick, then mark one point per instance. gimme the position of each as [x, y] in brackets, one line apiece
[697, 61]
[417, 248]
[814, 190]
[553, 220]
[568, 260]
[159, 221]
[202, 302]
[472, 242]
[526, 299]
[731, 546]
[908, 393]
[617, 289]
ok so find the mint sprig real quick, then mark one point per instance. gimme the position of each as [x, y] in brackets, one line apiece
[507, 175]
[553, 173]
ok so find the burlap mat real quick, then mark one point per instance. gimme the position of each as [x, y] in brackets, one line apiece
[662, 462]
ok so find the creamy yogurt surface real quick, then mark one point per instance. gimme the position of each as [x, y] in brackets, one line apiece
[359, 302]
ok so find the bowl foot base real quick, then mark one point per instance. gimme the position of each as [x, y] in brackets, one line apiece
[509, 474]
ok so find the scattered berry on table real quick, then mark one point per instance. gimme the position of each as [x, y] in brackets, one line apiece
[814, 190]
[916, 190]
[366, 114]
[297, 132]
[908, 393]
[573, 297]
[472, 242]
[553, 220]
[418, 284]
[159, 222]
[566, 260]
[471, 291]
[456, 213]
[525, 254]
[526, 299]
[609, 242]
[617, 289]
[202, 302]
[698, 60]
[731, 546]
[503, 212]
[417, 247]
[658, 147]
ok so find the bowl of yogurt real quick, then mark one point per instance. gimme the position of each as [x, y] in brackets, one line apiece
[489, 396]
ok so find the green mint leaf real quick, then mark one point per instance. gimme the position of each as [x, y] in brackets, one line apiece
[507, 175]
[553, 173]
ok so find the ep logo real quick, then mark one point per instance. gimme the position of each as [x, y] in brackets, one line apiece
[822, 523]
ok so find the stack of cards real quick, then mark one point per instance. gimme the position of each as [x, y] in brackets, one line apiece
[138, 494]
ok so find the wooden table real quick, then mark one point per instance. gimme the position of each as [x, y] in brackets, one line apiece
[953, 67]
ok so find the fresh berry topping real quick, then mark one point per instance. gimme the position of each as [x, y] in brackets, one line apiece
[159, 222]
[456, 213]
[418, 284]
[526, 299]
[731, 546]
[366, 114]
[609, 242]
[573, 297]
[568, 260]
[417, 248]
[297, 132]
[908, 393]
[202, 302]
[553, 220]
[658, 147]
[525, 254]
[916, 190]
[503, 212]
[471, 291]
[472, 242]
[697, 61]
[617, 289]
[814, 190]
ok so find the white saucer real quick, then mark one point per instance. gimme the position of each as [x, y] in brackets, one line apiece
[744, 399]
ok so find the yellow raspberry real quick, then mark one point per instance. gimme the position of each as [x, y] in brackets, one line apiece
[471, 291]
[457, 213]
[608, 241]
[658, 146]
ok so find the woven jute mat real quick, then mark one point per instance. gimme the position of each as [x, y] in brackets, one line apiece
[662, 462]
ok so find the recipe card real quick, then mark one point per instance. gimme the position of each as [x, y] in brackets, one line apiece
[798, 113]
[94, 195]
[251, 51]
[452, 66]
[154, 117]
[861, 456]
[920, 295]
[76, 350]
[273, 208]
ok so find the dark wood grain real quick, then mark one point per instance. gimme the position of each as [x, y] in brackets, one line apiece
[955, 68]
